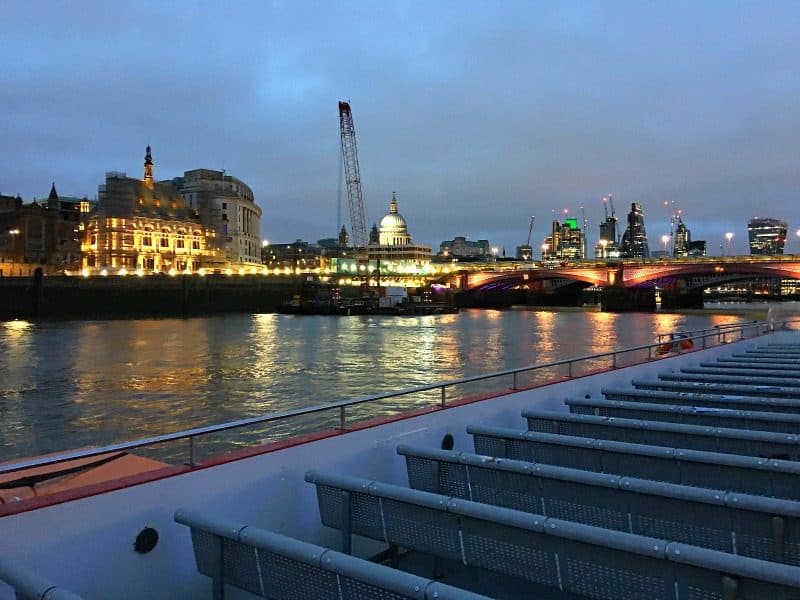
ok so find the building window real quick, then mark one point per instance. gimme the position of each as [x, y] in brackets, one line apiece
[224, 206]
[224, 217]
[148, 263]
[147, 238]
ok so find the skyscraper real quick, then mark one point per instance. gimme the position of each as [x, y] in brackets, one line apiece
[634, 240]
[565, 241]
[766, 235]
[682, 239]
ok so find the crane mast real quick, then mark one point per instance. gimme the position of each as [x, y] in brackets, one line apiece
[355, 197]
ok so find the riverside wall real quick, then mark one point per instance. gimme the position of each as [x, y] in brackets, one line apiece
[71, 297]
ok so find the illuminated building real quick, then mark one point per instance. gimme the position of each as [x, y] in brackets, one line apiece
[40, 234]
[566, 241]
[394, 240]
[766, 235]
[226, 205]
[462, 248]
[634, 240]
[298, 255]
[143, 226]
[682, 239]
[607, 243]
[696, 248]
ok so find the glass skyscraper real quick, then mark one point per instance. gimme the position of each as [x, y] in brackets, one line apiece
[766, 235]
[634, 240]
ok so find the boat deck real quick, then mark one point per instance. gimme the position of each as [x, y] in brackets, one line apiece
[679, 486]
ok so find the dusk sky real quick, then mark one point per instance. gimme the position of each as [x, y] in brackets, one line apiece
[478, 114]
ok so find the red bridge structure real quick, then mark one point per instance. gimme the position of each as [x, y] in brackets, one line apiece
[623, 285]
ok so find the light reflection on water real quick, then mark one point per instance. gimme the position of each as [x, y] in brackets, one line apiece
[70, 384]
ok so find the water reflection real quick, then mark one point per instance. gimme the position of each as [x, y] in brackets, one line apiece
[71, 384]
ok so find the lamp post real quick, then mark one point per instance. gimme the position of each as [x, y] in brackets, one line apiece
[603, 244]
[729, 237]
[13, 233]
[665, 241]
[495, 250]
[797, 233]
[545, 247]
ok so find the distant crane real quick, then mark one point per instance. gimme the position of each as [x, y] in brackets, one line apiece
[530, 230]
[525, 252]
[355, 196]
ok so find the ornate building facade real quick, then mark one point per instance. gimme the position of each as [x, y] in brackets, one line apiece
[39, 234]
[145, 227]
[226, 205]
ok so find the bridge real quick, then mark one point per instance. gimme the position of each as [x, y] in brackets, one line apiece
[624, 284]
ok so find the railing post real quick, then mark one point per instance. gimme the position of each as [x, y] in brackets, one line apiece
[514, 382]
[341, 418]
[569, 370]
[650, 352]
[614, 360]
[191, 451]
[444, 397]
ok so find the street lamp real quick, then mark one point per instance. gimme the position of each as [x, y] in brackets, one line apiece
[797, 233]
[603, 244]
[495, 250]
[545, 247]
[13, 233]
[665, 241]
[729, 237]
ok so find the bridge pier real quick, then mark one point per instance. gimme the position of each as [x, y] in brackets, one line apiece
[621, 299]
[672, 299]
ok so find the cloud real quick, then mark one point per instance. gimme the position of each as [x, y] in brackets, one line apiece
[477, 114]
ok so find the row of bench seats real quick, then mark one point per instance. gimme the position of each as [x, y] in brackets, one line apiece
[563, 556]
[656, 433]
[755, 526]
[707, 387]
[270, 565]
[700, 400]
[605, 528]
[689, 415]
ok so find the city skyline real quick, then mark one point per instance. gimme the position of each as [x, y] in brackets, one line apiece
[477, 121]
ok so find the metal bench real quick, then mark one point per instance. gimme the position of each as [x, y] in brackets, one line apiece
[757, 359]
[672, 435]
[29, 585]
[748, 380]
[566, 556]
[690, 415]
[271, 565]
[756, 365]
[777, 405]
[755, 526]
[747, 474]
[759, 391]
[742, 371]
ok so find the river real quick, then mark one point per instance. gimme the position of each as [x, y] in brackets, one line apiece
[69, 384]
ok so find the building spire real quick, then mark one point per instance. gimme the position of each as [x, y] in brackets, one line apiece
[393, 205]
[148, 168]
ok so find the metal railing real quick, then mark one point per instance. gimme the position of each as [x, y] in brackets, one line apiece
[700, 338]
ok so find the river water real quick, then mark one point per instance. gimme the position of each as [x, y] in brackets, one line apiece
[69, 384]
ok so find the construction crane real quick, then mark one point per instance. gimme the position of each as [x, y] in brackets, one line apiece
[355, 196]
[530, 230]
[525, 252]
